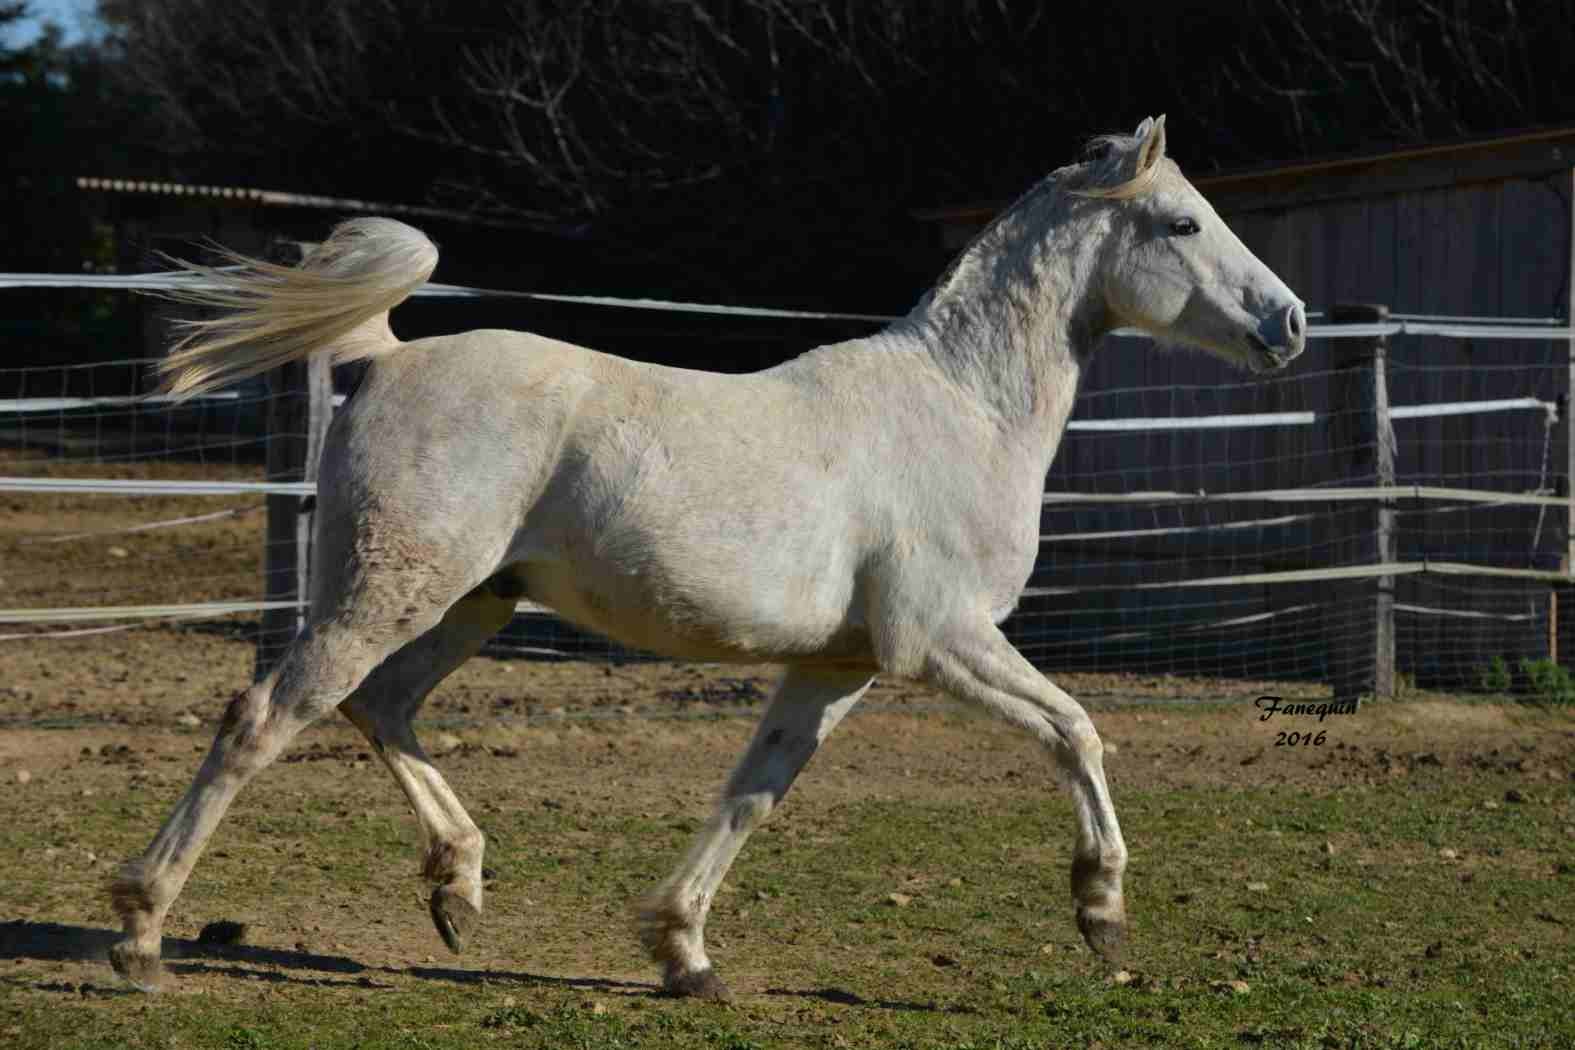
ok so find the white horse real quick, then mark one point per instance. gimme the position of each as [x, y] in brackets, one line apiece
[869, 507]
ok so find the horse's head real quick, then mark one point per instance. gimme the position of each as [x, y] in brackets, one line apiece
[1172, 267]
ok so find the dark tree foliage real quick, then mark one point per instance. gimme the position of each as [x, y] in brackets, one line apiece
[59, 118]
[35, 110]
[1346, 74]
[778, 148]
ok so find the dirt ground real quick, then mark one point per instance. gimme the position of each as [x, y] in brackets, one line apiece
[66, 550]
[127, 717]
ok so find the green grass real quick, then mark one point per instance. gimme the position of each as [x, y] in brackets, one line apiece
[1385, 942]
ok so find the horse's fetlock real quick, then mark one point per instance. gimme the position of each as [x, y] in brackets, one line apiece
[129, 892]
[456, 857]
[661, 919]
[1096, 875]
[441, 861]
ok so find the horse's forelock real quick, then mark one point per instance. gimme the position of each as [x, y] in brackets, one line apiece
[1102, 171]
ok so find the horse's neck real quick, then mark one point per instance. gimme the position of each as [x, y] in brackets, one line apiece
[1014, 321]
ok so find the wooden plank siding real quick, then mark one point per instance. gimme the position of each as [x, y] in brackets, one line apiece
[1487, 250]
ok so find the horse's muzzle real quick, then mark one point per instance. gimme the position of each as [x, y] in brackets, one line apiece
[1285, 331]
[1280, 339]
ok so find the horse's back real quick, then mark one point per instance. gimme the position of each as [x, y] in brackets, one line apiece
[700, 515]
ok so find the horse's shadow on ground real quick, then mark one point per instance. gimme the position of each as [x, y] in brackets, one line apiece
[57, 942]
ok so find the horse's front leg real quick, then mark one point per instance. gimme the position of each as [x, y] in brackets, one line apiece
[981, 667]
[807, 707]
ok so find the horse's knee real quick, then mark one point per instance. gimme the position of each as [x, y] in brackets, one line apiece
[257, 723]
[746, 812]
[243, 725]
[1085, 743]
[1077, 747]
[323, 668]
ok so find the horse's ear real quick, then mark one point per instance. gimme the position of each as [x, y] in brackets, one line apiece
[1151, 142]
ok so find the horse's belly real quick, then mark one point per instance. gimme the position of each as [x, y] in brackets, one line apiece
[646, 612]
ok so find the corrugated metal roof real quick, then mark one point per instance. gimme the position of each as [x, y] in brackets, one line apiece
[287, 199]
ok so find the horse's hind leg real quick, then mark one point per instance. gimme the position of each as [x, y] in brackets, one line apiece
[382, 709]
[807, 707]
[321, 667]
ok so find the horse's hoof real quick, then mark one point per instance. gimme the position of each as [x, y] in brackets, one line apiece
[698, 984]
[142, 970]
[1105, 934]
[454, 916]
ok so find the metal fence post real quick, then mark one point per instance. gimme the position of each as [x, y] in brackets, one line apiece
[1361, 633]
[300, 407]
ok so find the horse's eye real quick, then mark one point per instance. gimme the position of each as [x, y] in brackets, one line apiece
[1184, 227]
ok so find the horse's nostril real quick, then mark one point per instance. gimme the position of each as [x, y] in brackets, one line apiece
[1294, 321]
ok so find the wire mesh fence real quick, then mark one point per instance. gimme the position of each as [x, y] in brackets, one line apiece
[1200, 578]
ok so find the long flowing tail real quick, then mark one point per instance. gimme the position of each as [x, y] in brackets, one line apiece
[337, 300]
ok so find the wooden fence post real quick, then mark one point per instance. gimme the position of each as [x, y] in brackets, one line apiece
[1567, 483]
[1567, 562]
[300, 407]
[1360, 632]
